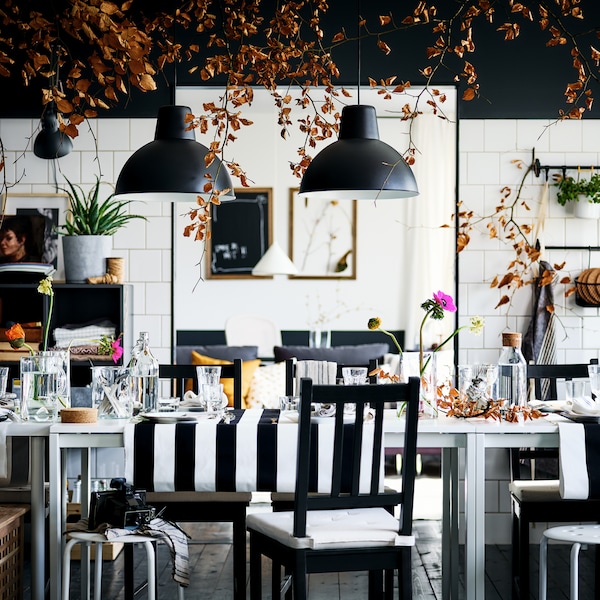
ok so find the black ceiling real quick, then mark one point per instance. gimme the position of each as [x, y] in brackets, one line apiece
[518, 79]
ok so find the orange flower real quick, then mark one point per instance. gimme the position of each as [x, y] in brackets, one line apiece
[16, 338]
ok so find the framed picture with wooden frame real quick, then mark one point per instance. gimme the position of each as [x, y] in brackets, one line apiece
[322, 237]
[241, 232]
[46, 211]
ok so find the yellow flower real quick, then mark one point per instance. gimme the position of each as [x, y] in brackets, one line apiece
[45, 286]
[374, 323]
[477, 325]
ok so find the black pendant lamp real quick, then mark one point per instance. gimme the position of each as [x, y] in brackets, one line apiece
[171, 168]
[50, 142]
[359, 165]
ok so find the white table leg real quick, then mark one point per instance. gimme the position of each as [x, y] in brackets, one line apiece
[55, 543]
[86, 588]
[475, 516]
[38, 509]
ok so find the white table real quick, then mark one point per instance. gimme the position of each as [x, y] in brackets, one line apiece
[450, 434]
[38, 432]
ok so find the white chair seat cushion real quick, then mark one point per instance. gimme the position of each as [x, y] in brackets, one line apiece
[354, 528]
[536, 490]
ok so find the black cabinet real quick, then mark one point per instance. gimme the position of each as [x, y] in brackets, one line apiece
[74, 304]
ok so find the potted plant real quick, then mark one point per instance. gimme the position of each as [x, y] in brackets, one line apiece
[87, 233]
[585, 193]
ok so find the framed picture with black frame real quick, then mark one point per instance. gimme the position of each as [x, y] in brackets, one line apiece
[241, 232]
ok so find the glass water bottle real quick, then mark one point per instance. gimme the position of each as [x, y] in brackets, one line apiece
[512, 371]
[144, 369]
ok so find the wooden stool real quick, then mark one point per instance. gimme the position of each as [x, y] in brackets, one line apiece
[82, 537]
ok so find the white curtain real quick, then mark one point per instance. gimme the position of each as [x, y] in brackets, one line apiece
[427, 263]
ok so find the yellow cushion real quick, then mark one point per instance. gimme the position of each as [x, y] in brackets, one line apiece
[248, 368]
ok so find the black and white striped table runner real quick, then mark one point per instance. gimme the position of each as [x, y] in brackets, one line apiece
[579, 460]
[253, 453]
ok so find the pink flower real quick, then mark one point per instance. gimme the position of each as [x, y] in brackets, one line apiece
[116, 350]
[445, 301]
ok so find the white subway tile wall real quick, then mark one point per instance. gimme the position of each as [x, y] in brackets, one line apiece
[487, 152]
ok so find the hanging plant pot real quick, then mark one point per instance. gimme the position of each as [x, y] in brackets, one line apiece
[85, 256]
[584, 209]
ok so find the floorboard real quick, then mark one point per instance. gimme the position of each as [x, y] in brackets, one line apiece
[211, 568]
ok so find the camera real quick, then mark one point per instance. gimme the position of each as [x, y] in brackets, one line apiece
[123, 506]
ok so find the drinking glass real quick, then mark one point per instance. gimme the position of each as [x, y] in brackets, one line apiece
[208, 375]
[213, 398]
[168, 404]
[354, 375]
[43, 383]
[289, 403]
[3, 380]
[594, 373]
[575, 389]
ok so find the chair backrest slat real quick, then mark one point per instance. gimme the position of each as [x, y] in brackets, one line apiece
[357, 443]
[550, 373]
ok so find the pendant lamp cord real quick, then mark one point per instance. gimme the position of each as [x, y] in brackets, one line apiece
[358, 49]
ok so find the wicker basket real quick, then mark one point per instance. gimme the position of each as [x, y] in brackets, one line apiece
[11, 550]
[587, 288]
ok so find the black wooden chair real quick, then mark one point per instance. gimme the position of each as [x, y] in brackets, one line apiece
[538, 500]
[285, 501]
[347, 528]
[217, 507]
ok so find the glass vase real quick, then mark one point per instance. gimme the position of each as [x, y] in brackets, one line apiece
[63, 357]
[410, 366]
[43, 383]
[319, 338]
[113, 392]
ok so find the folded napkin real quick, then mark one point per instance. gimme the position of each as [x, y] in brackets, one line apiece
[579, 460]
[322, 372]
[191, 400]
[585, 406]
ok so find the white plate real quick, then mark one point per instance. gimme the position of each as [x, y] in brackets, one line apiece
[172, 417]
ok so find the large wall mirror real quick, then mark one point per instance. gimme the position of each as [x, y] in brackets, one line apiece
[402, 253]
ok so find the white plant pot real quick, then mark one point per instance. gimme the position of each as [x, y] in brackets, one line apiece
[85, 256]
[584, 209]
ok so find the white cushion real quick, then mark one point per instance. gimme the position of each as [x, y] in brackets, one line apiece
[268, 383]
[353, 528]
[536, 490]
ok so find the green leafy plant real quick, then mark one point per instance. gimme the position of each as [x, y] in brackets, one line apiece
[569, 189]
[88, 215]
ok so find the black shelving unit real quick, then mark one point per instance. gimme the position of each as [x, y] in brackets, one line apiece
[73, 304]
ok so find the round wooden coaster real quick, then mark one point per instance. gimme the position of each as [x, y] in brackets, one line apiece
[79, 415]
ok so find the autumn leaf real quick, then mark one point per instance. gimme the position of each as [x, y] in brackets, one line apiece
[503, 300]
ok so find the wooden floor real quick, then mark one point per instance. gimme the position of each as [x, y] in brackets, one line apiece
[211, 567]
